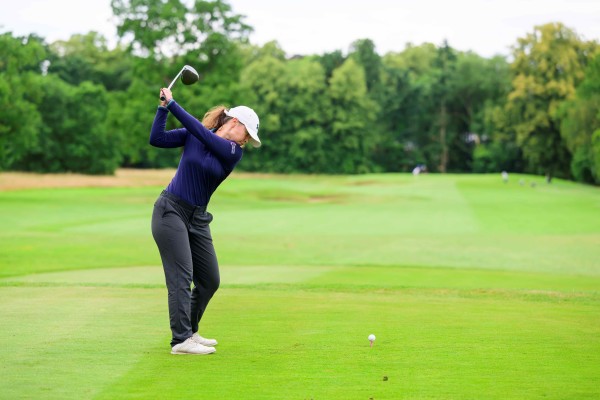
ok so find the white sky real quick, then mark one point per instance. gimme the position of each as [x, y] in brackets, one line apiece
[487, 27]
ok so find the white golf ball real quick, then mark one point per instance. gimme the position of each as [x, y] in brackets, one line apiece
[371, 337]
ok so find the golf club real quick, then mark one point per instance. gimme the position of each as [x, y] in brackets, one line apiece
[188, 75]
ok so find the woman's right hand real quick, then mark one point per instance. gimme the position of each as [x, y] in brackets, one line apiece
[165, 94]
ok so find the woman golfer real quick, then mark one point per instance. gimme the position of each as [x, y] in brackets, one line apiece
[211, 150]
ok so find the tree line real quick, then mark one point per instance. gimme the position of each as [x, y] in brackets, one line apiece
[80, 106]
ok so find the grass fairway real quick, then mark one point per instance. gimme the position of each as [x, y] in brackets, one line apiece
[475, 289]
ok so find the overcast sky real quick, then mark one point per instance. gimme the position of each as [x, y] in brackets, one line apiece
[487, 27]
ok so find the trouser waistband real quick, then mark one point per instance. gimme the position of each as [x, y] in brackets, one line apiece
[176, 199]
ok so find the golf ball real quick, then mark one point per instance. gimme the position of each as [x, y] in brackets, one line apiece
[371, 337]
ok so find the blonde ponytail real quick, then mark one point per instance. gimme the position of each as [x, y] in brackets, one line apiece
[215, 117]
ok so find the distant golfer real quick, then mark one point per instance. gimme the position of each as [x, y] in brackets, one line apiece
[211, 150]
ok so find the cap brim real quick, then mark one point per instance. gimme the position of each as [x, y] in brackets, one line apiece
[254, 140]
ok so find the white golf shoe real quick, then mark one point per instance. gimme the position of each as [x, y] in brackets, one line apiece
[191, 347]
[203, 341]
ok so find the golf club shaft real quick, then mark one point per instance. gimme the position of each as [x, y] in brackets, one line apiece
[162, 98]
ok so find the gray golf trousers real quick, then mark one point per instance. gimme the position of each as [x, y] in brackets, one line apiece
[183, 237]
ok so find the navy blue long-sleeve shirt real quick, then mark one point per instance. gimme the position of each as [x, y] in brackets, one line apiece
[206, 161]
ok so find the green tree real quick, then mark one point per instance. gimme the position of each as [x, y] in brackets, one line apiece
[251, 53]
[260, 85]
[292, 105]
[87, 58]
[174, 27]
[498, 150]
[21, 62]
[331, 61]
[445, 63]
[408, 108]
[580, 126]
[74, 136]
[477, 84]
[417, 60]
[130, 115]
[354, 115]
[548, 65]
[305, 111]
[364, 53]
[395, 146]
[220, 80]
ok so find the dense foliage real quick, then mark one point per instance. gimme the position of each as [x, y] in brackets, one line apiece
[78, 105]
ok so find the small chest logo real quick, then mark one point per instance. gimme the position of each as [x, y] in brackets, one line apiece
[232, 148]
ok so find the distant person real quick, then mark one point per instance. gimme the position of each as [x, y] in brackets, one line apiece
[505, 176]
[419, 169]
[180, 223]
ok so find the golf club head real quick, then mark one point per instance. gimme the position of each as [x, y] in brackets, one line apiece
[189, 75]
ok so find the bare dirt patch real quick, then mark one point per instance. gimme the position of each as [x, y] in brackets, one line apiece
[122, 178]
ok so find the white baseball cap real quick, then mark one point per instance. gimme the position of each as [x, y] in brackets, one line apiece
[248, 117]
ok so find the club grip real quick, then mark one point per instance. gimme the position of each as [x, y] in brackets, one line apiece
[162, 98]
